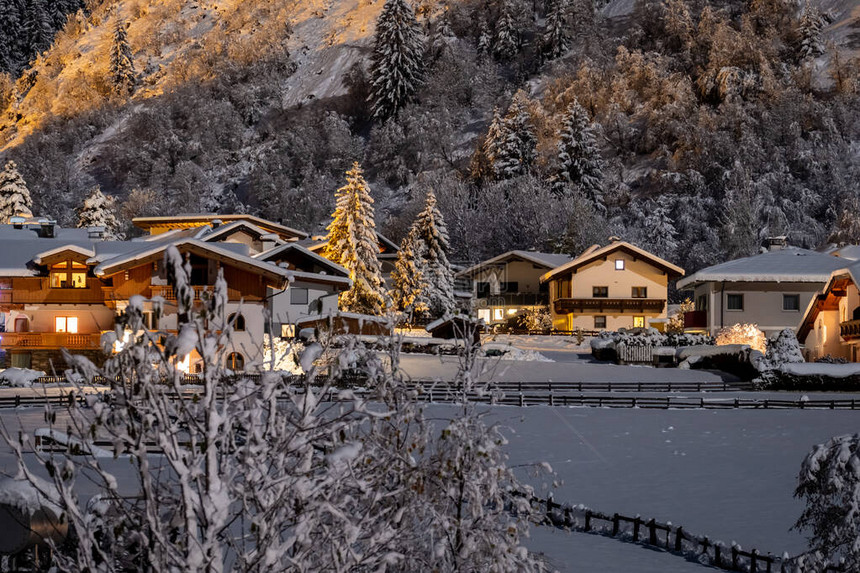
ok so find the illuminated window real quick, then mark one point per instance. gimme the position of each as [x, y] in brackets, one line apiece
[288, 330]
[619, 264]
[498, 314]
[512, 311]
[640, 292]
[484, 314]
[69, 274]
[235, 361]
[638, 322]
[66, 324]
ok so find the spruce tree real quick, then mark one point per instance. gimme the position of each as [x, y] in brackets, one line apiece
[579, 161]
[811, 25]
[507, 44]
[396, 64]
[408, 278]
[122, 71]
[494, 141]
[659, 229]
[516, 150]
[485, 38]
[438, 277]
[352, 243]
[555, 37]
[847, 228]
[11, 32]
[97, 210]
[14, 195]
[38, 27]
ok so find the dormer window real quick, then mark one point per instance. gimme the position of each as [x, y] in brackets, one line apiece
[69, 274]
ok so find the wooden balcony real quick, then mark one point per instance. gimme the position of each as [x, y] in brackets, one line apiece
[609, 305]
[850, 329]
[696, 319]
[49, 340]
[167, 293]
[46, 295]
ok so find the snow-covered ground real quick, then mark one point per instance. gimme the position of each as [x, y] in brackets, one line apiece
[729, 475]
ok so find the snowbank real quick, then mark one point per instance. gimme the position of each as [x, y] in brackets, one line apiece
[25, 496]
[506, 352]
[19, 377]
[821, 369]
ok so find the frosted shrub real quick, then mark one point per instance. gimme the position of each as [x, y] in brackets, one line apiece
[536, 319]
[829, 484]
[748, 334]
[783, 349]
[675, 325]
[264, 476]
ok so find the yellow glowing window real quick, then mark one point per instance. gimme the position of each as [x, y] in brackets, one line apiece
[498, 313]
[638, 322]
[66, 324]
[69, 274]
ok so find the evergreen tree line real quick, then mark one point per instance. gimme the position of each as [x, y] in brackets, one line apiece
[27, 27]
[704, 125]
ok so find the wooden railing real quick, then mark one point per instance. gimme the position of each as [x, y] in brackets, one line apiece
[90, 295]
[50, 340]
[628, 354]
[168, 293]
[850, 329]
[609, 305]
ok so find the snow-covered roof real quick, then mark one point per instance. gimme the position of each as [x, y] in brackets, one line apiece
[81, 250]
[848, 252]
[220, 250]
[198, 219]
[211, 235]
[286, 248]
[791, 264]
[592, 254]
[546, 260]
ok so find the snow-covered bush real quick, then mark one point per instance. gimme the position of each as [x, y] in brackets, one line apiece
[688, 339]
[748, 334]
[675, 324]
[259, 476]
[536, 319]
[829, 484]
[783, 349]
[19, 377]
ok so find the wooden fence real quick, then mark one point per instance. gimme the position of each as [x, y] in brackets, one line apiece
[673, 538]
[628, 354]
[520, 399]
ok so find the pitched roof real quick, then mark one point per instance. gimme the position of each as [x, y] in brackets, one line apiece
[217, 251]
[212, 234]
[80, 250]
[546, 260]
[287, 248]
[790, 264]
[592, 254]
[197, 219]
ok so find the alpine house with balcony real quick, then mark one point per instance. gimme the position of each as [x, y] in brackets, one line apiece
[63, 288]
[509, 283]
[611, 287]
[831, 322]
[770, 290]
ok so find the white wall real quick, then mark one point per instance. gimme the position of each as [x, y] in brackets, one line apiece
[321, 298]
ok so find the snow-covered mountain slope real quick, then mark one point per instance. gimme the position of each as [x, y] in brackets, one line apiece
[180, 41]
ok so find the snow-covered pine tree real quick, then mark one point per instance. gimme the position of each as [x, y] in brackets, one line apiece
[659, 229]
[516, 150]
[97, 210]
[37, 26]
[14, 195]
[556, 41]
[507, 42]
[396, 64]
[352, 243]
[810, 27]
[579, 161]
[493, 142]
[408, 277]
[122, 73]
[432, 240]
[485, 38]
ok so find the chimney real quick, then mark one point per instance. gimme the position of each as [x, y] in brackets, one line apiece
[776, 243]
[46, 228]
[96, 233]
[17, 222]
[270, 241]
[216, 223]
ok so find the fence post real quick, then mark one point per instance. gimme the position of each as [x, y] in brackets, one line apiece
[652, 532]
[18, 402]
[587, 520]
[737, 404]
[679, 538]
[754, 561]
[615, 525]
[551, 402]
[522, 403]
[717, 560]
[568, 520]
[735, 557]
[636, 522]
